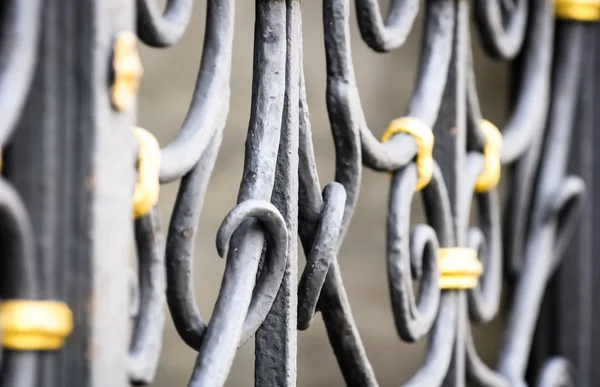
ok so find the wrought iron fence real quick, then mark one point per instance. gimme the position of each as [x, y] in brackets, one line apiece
[68, 80]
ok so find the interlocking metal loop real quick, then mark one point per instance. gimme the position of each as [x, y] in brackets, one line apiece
[181, 300]
[321, 254]
[239, 274]
[272, 269]
[333, 302]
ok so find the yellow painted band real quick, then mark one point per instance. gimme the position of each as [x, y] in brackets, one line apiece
[147, 187]
[423, 136]
[492, 166]
[34, 325]
[459, 268]
[128, 71]
[580, 10]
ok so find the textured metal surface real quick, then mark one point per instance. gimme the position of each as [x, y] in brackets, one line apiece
[65, 202]
[65, 160]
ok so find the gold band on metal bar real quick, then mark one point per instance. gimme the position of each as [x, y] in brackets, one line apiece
[492, 166]
[423, 136]
[34, 325]
[459, 268]
[128, 71]
[578, 10]
[147, 187]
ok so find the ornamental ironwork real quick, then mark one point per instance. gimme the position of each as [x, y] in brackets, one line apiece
[79, 174]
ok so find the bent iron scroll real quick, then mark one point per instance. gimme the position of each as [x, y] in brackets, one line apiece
[441, 148]
[258, 238]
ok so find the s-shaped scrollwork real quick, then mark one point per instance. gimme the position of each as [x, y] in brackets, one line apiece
[258, 238]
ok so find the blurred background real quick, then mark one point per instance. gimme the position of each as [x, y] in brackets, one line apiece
[385, 82]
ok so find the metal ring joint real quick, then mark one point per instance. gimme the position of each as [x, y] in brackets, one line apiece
[492, 167]
[147, 187]
[578, 10]
[34, 325]
[424, 138]
[459, 268]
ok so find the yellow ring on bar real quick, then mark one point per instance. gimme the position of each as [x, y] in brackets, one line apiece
[147, 187]
[459, 268]
[492, 166]
[423, 136]
[128, 71]
[34, 325]
[579, 10]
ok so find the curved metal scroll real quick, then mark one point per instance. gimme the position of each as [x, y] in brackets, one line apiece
[258, 238]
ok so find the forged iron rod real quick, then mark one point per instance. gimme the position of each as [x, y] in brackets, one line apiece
[70, 173]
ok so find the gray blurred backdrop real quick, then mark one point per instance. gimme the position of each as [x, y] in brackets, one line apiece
[385, 82]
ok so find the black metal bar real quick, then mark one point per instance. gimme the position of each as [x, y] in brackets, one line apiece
[276, 339]
[71, 160]
[449, 152]
[567, 325]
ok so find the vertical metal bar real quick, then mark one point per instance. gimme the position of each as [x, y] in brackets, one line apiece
[592, 165]
[449, 130]
[276, 347]
[226, 326]
[73, 162]
[570, 301]
[565, 326]
[449, 152]
[33, 153]
[113, 176]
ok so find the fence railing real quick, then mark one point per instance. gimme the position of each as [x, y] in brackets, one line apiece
[69, 74]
